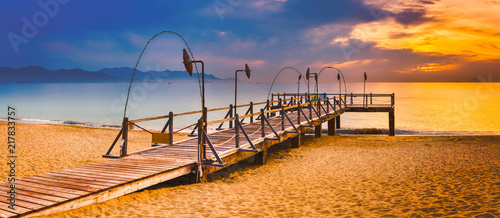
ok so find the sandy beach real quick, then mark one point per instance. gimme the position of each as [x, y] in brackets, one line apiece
[355, 176]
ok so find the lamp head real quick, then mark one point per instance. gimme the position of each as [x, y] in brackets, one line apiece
[247, 71]
[338, 76]
[316, 77]
[308, 73]
[300, 76]
[188, 63]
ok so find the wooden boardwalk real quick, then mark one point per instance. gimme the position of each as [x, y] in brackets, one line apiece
[73, 188]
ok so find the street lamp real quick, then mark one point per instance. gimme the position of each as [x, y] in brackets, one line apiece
[307, 77]
[247, 72]
[308, 74]
[188, 64]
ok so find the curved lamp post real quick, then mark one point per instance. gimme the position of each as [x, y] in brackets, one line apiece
[316, 79]
[276, 77]
[247, 72]
[338, 78]
[308, 75]
[188, 64]
[307, 78]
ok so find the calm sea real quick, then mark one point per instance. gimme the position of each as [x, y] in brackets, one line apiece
[421, 108]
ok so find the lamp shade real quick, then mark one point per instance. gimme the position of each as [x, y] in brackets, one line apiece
[300, 76]
[247, 70]
[338, 76]
[308, 72]
[188, 64]
[316, 77]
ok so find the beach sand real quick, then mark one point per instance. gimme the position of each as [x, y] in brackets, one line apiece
[356, 176]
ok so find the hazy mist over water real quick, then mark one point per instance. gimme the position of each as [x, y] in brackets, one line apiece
[427, 108]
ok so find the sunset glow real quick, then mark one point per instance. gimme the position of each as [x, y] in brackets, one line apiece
[416, 40]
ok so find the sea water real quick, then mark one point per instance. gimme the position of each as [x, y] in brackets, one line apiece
[421, 108]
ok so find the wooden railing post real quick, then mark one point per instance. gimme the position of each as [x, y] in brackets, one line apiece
[371, 98]
[392, 100]
[231, 109]
[310, 110]
[299, 108]
[351, 99]
[201, 142]
[251, 111]
[267, 108]
[282, 118]
[124, 137]
[237, 130]
[262, 117]
[171, 127]
[328, 105]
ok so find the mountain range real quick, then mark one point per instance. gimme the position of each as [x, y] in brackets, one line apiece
[37, 74]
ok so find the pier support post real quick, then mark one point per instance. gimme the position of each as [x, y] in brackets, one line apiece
[391, 123]
[296, 141]
[317, 131]
[260, 158]
[331, 126]
[204, 177]
[337, 119]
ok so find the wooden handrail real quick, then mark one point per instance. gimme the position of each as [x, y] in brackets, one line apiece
[259, 103]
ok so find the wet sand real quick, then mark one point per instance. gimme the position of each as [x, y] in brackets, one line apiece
[356, 176]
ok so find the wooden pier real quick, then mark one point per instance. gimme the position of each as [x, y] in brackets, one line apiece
[277, 121]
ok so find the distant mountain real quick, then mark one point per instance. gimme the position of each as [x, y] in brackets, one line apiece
[36, 74]
[126, 73]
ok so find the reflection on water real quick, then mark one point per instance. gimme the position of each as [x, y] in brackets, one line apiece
[420, 107]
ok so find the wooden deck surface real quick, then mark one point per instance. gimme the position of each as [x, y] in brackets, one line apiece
[72, 188]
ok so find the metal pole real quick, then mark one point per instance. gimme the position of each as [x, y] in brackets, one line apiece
[235, 90]
[251, 111]
[237, 130]
[171, 127]
[124, 137]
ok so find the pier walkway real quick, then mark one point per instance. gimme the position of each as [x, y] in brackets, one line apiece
[277, 121]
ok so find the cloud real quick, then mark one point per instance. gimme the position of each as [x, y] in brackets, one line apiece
[412, 17]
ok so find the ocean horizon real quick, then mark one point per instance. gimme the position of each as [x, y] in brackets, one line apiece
[421, 108]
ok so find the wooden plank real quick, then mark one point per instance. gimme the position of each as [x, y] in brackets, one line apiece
[7, 213]
[141, 165]
[19, 210]
[34, 194]
[28, 198]
[147, 161]
[93, 176]
[122, 168]
[46, 190]
[80, 179]
[22, 204]
[49, 187]
[112, 169]
[100, 172]
[60, 183]
[115, 192]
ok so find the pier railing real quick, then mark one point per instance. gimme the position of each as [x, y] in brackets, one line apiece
[320, 107]
[350, 99]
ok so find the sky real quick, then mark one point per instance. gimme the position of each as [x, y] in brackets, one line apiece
[391, 40]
